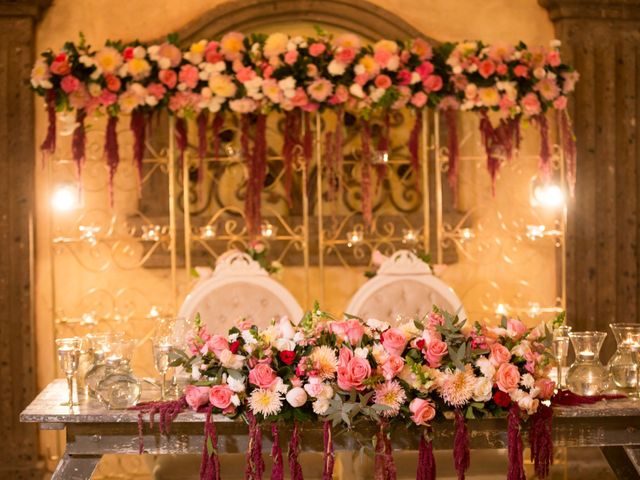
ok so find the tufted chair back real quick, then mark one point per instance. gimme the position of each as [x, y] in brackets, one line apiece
[403, 285]
[239, 288]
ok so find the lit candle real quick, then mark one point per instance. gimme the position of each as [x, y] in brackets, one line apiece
[587, 354]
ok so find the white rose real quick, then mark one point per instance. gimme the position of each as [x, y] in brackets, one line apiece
[219, 67]
[376, 324]
[361, 352]
[298, 337]
[356, 90]
[164, 63]
[236, 384]
[296, 397]
[528, 404]
[320, 406]
[248, 337]
[486, 367]
[327, 392]
[151, 100]
[195, 373]
[284, 344]
[288, 83]
[286, 328]
[482, 389]
[359, 69]
[336, 68]
[139, 52]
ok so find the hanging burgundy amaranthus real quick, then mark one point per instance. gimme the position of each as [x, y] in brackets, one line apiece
[201, 120]
[328, 460]
[277, 470]
[568, 141]
[540, 440]
[451, 119]
[181, 139]
[255, 464]
[367, 206]
[48, 146]
[210, 465]
[79, 141]
[383, 146]
[514, 444]
[426, 461]
[502, 140]
[256, 159]
[295, 469]
[545, 147]
[461, 453]
[111, 152]
[138, 126]
[334, 156]
[385, 468]
[168, 411]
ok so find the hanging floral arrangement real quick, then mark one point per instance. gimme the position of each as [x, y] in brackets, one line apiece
[253, 75]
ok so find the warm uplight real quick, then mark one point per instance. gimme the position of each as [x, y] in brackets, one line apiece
[546, 194]
[501, 309]
[208, 231]
[65, 198]
[380, 157]
[409, 236]
[267, 230]
[534, 309]
[466, 234]
[354, 237]
[535, 232]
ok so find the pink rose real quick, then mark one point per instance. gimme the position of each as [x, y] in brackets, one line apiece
[340, 96]
[394, 341]
[419, 99]
[300, 98]
[217, 344]
[344, 357]
[345, 55]
[434, 319]
[245, 74]
[424, 70]
[156, 90]
[383, 81]
[404, 77]
[263, 376]
[70, 83]
[432, 83]
[354, 331]
[170, 52]
[553, 58]
[316, 49]
[422, 411]
[435, 351]
[168, 77]
[60, 67]
[382, 57]
[486, 68]
[502, 69]
[392, 367]
[113, 82]
[499, 354]
[521, 71]
[290, 57]
[353, 374]
[530, 104]
[507, 377]
[196, 396]
[108, 98]
[220, 396]
[546, 387]
[189, 76]
[516, 328]
[560, 103]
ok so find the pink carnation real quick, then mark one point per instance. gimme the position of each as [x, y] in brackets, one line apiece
[345, 55]
[316, 49]
[189, 76]
[486, 68]
[383, 81]
[530, 104]
[245, 74]
[424, 70]
[432, 83]
[560, 103]
[156, 90]
[69, 83]
[553, 58]
[340, 96]
[168, 77]
[521, 71]
[404, 77]
[290, 57]
[419, 99]
[320, 89]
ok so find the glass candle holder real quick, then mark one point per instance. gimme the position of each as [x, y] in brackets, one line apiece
[622, 365]
[587, 376]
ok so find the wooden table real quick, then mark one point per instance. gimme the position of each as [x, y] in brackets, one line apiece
[93, 431]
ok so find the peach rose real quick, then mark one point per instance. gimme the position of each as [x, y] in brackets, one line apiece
[546, 388]
[422, 411]
[507, 377]
[435, 351]
[196, 396]
[392, 366]
[220, 396]
[263, 376]
[316, 49]
[499, 354]
[353, 374]
[394, 341]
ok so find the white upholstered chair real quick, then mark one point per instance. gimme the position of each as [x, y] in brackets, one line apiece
[239, 288]
[404, 285]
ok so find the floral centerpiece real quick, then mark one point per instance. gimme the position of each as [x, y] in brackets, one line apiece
[345, 373]
[253, 75]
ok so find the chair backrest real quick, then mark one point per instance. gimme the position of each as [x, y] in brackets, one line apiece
[239, 288]
[404, 285]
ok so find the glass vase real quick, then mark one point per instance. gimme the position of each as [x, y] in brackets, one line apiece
[587, 376]
[622, 365]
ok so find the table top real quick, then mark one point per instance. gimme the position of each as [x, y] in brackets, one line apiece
[47, 408]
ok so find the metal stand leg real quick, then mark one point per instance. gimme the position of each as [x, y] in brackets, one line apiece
[76, 467]
[624, 461]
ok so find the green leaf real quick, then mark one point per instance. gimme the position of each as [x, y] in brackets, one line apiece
[210, 449]
[469, 413]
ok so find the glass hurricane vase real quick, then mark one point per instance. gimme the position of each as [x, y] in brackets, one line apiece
[622, 365]
[587, 376]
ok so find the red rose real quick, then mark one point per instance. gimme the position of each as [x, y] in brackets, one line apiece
[127, 54]
[234, 346]
[501, 399]
[420, 343]
[61, 57]
[287, 356]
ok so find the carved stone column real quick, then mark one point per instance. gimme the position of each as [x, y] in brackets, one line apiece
[601, 38]
[19, 455]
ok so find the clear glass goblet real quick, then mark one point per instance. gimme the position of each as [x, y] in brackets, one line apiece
[560, 350]
[69, 358]
[162, 348]
[634, 346]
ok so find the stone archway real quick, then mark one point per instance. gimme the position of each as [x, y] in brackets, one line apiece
[358, 16]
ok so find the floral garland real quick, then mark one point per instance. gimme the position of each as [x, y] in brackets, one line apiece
[255, 74]
[343, 373]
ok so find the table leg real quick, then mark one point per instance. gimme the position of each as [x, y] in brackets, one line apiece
[624, 461]
[76, 467]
